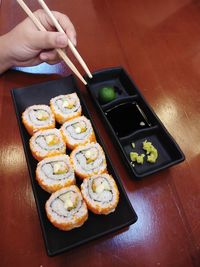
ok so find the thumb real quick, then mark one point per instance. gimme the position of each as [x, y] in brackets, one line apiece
[49, 40]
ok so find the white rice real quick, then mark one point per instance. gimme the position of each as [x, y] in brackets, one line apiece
[80, 162]
[39, 145]
[46, 175]
[106, 200]
[59, 109]
[56, 210]
[69, 130]
[30, 114]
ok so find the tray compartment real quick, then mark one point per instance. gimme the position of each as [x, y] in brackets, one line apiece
[126, 118]
[167, 152]
[116, 78]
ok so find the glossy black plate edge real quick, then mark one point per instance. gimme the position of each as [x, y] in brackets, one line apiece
[116, 176]
[29, 170]
[120, 69]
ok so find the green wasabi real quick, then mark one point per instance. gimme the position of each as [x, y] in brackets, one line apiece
[133, 145]
[151, 151]
[106, 94]
[135, 157]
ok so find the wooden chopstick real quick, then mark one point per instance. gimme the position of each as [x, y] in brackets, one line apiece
[59, 51]
[60, 29]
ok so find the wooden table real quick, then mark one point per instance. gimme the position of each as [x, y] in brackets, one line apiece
[158, 43]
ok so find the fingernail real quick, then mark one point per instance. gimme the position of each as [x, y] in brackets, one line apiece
[43, 57]
[61, 40]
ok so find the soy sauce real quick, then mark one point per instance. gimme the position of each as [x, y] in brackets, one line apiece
[127, 118]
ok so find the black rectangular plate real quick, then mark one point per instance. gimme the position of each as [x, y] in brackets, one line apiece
[57, 241]
[123, 116]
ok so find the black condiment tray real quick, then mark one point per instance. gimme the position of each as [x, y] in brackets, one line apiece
[130, 119]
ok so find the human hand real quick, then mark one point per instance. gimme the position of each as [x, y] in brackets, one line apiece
[25, 45]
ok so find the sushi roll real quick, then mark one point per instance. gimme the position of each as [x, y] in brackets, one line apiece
[65, 107]
[47, 143]
[100, 193]
[54, 173]
[77, 131]
[88, 160]
[38, 117]
[66, 208]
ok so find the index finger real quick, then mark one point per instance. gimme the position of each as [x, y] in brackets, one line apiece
[62, 19]
[66, 25]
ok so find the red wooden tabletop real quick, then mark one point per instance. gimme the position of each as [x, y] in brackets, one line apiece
[158, 43]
